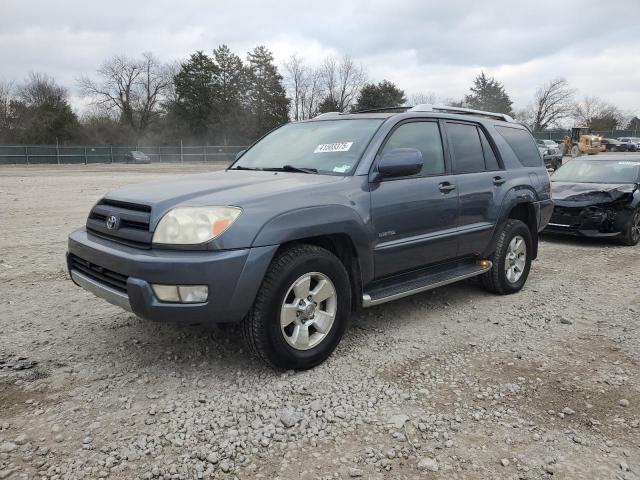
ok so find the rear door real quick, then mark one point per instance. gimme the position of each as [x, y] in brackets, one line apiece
[480, 177]
[415, 218]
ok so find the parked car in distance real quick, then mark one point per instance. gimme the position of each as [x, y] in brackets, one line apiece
[632, 143]
[136, 156]
[613, 145]
[321, 217]
[547, 143]
[552, 157]
[598, 197]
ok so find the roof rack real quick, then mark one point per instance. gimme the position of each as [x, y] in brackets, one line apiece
[327, 114]
[384, 109]
[426, 107]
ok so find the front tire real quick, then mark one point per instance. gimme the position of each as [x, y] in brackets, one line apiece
[511, 259]
[301, 310]
[632, 230]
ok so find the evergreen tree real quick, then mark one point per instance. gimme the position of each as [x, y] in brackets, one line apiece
[488, 94]
[230, 82]
[267, 100]
[328, 104]
[197, 90]
[381, 95]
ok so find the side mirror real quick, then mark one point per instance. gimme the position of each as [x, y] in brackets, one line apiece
[239, 154]
[400, 162]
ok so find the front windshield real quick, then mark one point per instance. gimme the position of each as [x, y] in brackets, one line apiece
[598, 172]
[328, 146]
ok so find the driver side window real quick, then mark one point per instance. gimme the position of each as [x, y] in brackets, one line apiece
[423, 136]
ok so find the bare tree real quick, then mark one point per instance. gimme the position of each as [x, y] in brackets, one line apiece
[6, 96]
[134, 88]
[552, 103]
[313, 94]
[296, 73]
[342, 80]
[40, 89]
[422, 98]
[596, 113]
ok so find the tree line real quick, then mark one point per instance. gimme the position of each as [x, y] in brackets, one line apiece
[220, 98]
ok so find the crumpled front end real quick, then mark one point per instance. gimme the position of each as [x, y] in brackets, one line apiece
[599, 212]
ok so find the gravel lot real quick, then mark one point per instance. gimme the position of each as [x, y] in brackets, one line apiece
[453, 383]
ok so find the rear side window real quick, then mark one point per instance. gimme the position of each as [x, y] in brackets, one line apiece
[490, 160]
[423, 136]
[467, 150]
[522, 144]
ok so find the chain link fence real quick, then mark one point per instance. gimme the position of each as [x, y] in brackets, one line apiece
[558, 135]
[90, 154]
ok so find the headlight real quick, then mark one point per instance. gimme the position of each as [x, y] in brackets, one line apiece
[193, 225]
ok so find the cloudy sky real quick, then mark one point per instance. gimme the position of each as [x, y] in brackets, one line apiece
[422, 45]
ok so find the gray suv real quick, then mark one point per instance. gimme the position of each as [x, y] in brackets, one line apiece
[320, 218]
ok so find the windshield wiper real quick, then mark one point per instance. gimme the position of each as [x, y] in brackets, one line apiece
[291, 168]
[240, 167]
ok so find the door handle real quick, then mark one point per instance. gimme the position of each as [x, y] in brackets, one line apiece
[446, 187]
[498, 180]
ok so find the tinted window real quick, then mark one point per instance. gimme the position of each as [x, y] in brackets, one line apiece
[423, 136]
[490, 160]
[522, 144]
[467, 151]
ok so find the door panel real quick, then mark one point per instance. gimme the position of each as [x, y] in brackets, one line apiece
[415, 218]
[415, 223]
[477, 187]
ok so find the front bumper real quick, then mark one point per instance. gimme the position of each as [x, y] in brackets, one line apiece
[123, 275]
[591, 221]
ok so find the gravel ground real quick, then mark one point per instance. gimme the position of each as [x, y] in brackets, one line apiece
[453, 383]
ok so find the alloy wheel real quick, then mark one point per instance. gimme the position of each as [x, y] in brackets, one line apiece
[308, 310]
[516, 259]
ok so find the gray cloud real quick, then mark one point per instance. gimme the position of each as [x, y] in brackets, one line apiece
[435, 46]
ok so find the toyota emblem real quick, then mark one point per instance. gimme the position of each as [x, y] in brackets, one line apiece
[112, 222]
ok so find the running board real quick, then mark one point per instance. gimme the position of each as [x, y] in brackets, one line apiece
[417, 283]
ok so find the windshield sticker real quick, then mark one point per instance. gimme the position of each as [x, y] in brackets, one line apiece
[333, 147]
[629, 163]
[341, 168]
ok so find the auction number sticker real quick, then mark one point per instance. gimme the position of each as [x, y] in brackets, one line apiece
[333, 147]
[628, 163]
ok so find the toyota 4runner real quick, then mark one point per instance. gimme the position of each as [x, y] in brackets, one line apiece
[319, 218]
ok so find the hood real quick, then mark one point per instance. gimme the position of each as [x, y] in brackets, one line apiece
[570, 194]
[240, 188]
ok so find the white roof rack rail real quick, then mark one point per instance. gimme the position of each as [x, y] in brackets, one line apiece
[426, 107]
[327, 114]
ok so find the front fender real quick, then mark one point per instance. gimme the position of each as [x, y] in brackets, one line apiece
[320, 221]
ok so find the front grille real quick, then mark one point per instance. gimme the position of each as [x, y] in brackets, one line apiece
[566, 216]
[100, 274]
[132, 226]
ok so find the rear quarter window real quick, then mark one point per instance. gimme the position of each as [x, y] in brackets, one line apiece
[522, 144]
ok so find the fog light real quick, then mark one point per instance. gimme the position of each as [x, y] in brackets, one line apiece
[194, 293]
[181, 293]
[166, 293]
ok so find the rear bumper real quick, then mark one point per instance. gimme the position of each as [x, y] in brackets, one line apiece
[232, 276]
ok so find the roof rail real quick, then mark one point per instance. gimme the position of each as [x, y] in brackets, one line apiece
[327, 114]
[384, 109]
[426, 107]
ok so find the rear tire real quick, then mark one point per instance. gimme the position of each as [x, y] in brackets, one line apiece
[308, 289]
[632, 229]
[511, 260]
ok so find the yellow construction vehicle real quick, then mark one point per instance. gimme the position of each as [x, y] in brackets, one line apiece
[582, 142]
